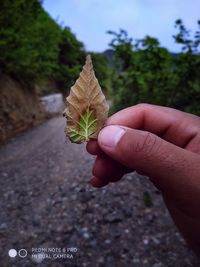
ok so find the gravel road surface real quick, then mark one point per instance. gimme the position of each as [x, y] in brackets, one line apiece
[51, 216]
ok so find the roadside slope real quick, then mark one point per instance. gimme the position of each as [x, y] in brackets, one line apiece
[19, 107]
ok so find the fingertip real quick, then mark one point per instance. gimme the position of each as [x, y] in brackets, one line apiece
[92, 147]
[97, 182]
[107, 169]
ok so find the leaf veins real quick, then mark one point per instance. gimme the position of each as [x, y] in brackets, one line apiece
[87, 108]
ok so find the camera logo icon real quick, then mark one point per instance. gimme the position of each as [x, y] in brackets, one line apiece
[22, 253]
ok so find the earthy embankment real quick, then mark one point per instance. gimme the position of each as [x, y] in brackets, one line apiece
[46, 202]
[20, 107]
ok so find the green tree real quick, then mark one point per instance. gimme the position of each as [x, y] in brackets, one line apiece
[187, 93]
[28, 40]
[70, 59]
[103, 71]
[143, 75]
[34, 47]
[147, 72]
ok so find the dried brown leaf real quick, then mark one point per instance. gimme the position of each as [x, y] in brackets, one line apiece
[87, 108]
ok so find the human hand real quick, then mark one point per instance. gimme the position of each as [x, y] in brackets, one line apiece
[159, 142]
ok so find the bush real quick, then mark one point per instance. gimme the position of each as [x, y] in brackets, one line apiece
[34, 47]
[146, 72]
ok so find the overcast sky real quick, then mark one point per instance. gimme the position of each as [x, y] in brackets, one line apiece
[90, 19]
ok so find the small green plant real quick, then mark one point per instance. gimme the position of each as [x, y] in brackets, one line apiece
[147, 199]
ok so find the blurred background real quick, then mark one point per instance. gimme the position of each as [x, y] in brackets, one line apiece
[142, 51]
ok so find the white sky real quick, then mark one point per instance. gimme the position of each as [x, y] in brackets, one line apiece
[90, 19]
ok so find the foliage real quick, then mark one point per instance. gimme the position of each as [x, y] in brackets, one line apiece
[33, 46]
[70, 59]
[102, 70]
[12, 33]
[187, 93]
[28, 39]
[146, 72]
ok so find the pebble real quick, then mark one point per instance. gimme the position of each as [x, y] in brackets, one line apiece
[86, 235]
[155, 240]
[3, 226]
[145, 242]
[101, 259]
[136, 260]
[107, 241]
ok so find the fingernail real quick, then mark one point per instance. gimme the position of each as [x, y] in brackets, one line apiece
[111, 135]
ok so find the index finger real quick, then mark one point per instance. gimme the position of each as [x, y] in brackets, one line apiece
[172, 125]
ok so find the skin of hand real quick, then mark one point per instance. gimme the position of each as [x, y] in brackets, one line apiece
[163, 144]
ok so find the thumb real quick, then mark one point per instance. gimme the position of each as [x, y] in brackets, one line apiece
[167, 165]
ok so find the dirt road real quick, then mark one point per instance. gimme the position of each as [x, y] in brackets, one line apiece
[50, 212]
